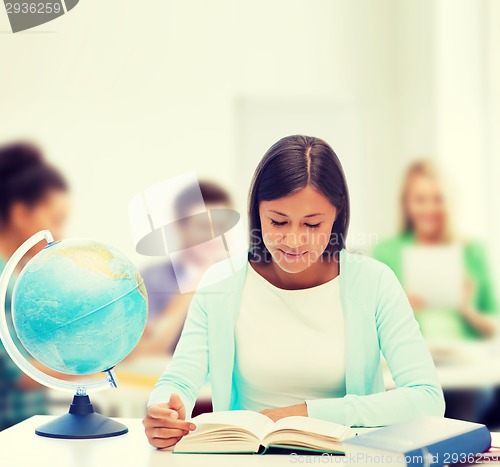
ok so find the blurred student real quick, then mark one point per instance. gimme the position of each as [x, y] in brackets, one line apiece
[426, 220]
[33, 197]
[167, 305]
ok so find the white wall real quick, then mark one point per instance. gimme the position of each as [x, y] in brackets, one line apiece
[468, 118]
[124, 94]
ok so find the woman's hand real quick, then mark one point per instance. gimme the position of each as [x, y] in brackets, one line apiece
[165, 424]
[469, 291]
[487, 326]
[417, 303]
[282, 412]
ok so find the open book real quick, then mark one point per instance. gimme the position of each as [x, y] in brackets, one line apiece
[246, 431]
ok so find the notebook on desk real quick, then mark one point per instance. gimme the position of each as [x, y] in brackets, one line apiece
[435, 274]
[423, 441]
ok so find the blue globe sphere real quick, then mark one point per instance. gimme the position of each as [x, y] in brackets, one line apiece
[79, 306]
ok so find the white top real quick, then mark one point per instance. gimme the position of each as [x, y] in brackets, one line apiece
[289, 344]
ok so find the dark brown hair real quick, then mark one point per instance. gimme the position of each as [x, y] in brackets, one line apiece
[211, 193]
[289, 165]
[25, 177]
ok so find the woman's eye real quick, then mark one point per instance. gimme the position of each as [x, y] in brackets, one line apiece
[279, 224]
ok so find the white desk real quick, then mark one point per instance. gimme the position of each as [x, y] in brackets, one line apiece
[21, 447]
[462, 365]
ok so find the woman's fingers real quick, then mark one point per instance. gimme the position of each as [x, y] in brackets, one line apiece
[167, 423]
[163, 426]
[162, 435]
[161, 411]
[161, 443]
[163, 416]
[165, 433]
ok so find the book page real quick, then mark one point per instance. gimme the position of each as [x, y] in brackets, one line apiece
[255, 422]
[312, 425]
[495, 439]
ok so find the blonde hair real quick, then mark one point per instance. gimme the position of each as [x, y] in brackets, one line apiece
[427, 168]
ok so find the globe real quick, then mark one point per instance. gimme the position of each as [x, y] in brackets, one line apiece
[79, 306]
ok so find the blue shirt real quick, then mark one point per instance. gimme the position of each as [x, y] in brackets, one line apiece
[16, 403]
[378, 318]
[161, 284]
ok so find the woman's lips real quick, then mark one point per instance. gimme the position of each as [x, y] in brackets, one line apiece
[292, 255]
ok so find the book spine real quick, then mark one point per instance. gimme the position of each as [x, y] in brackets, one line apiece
[459, 449]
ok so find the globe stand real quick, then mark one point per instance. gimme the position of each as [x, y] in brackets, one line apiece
[81, 422]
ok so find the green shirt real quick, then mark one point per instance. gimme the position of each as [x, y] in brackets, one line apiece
[446, 323]
[16, 403]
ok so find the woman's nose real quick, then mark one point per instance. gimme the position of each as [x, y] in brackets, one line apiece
[294, 239]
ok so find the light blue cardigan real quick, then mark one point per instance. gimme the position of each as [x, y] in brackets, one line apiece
[377, 316]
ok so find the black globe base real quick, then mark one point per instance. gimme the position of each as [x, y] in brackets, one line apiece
[81, 422]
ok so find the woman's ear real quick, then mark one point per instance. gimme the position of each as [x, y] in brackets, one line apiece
[19, 215]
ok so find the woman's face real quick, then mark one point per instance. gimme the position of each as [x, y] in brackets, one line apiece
[196, 233]
[49, 213]
[425, 207]
[296, 228]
